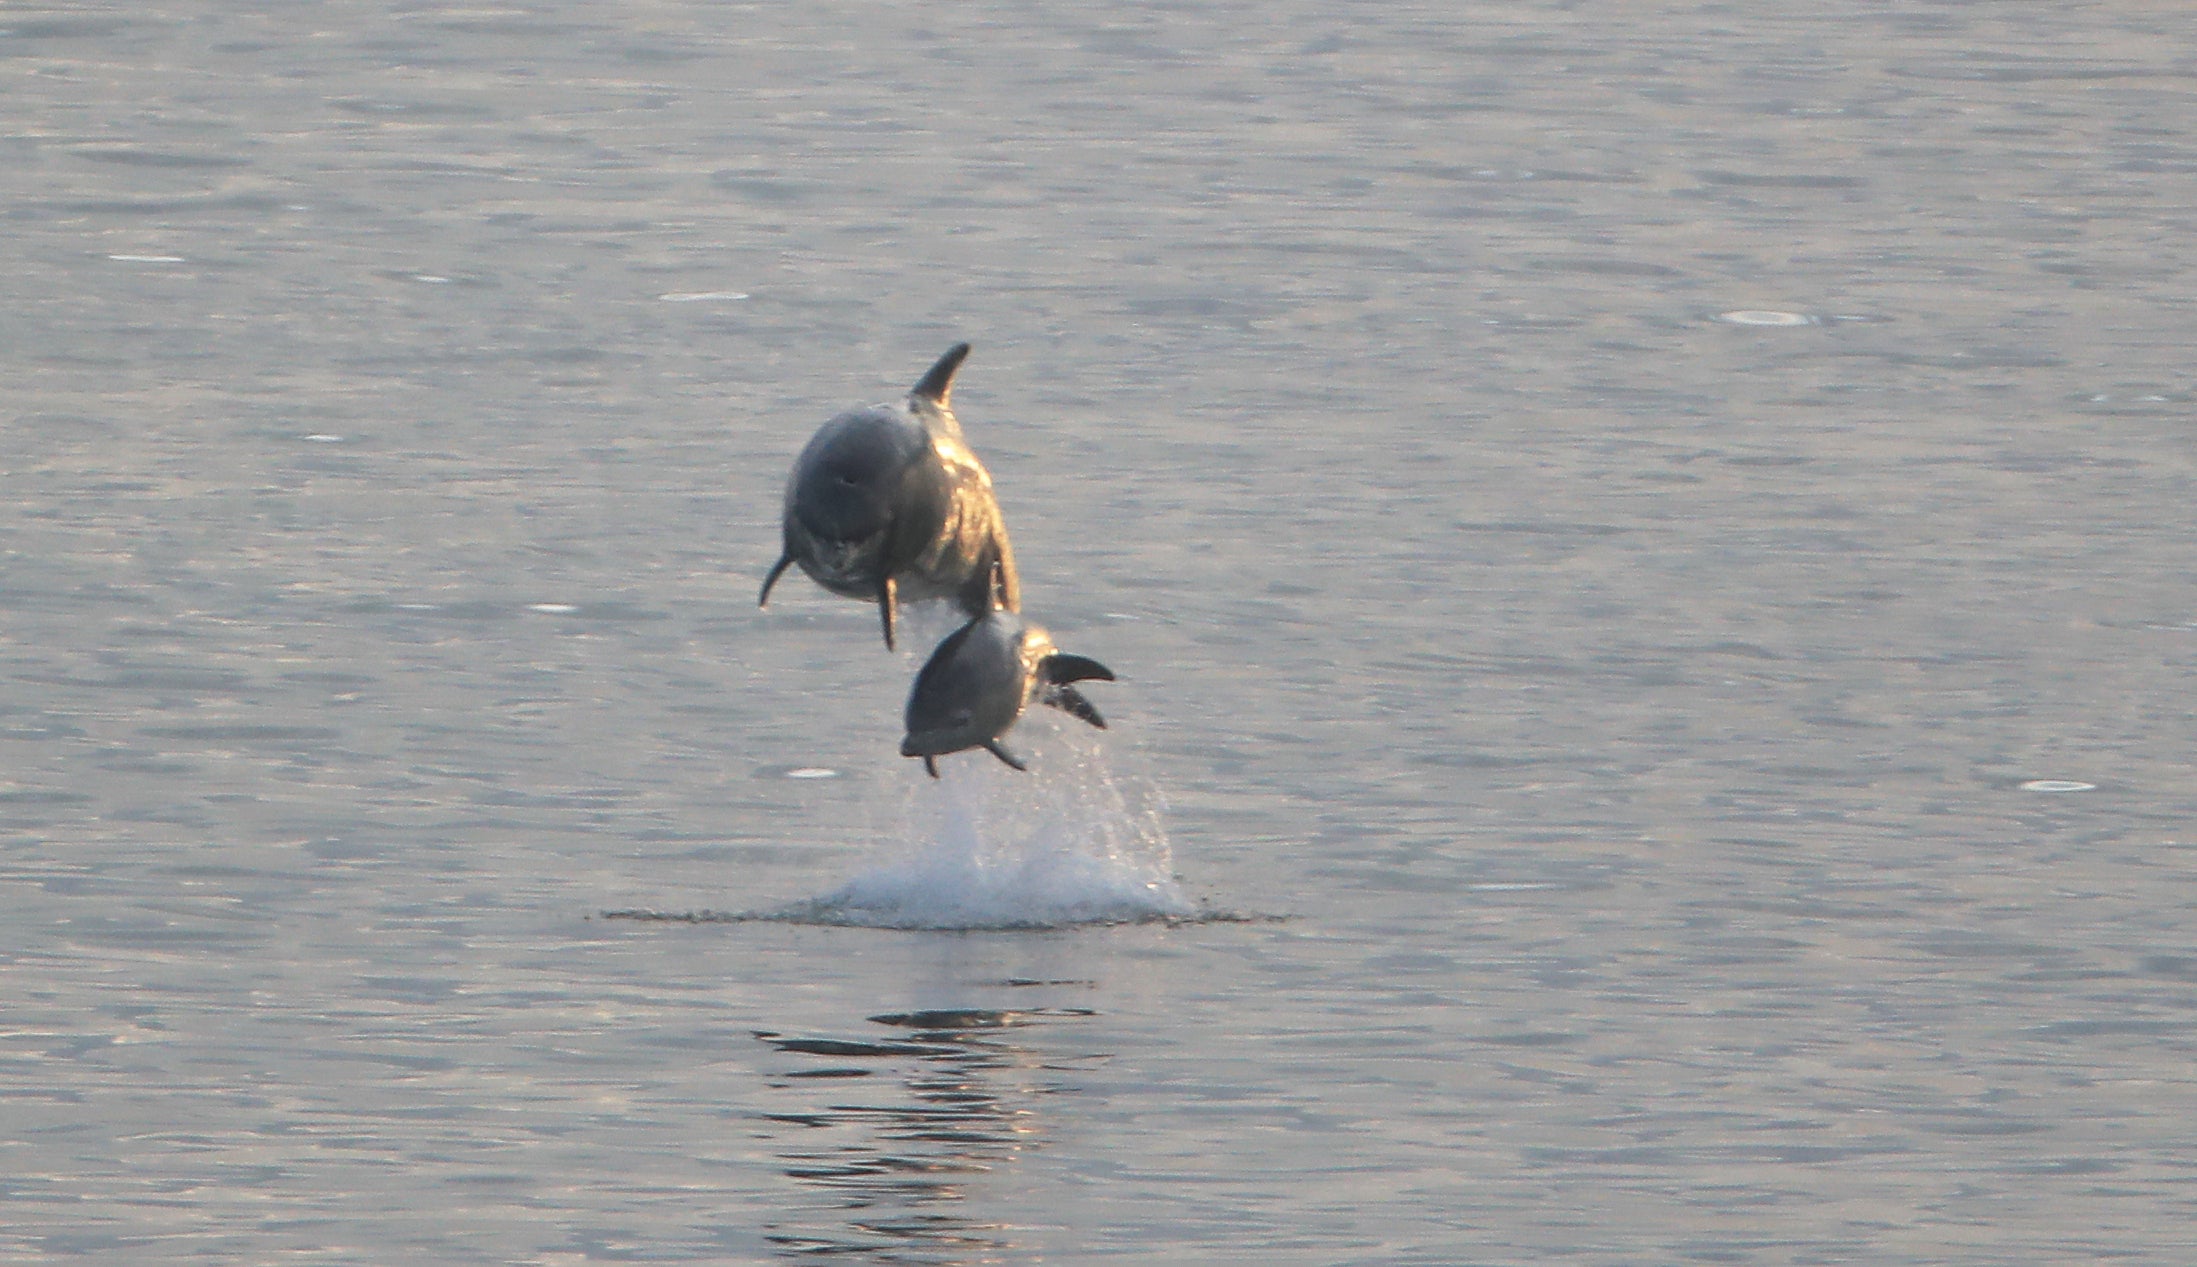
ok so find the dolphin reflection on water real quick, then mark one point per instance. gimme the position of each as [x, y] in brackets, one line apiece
[888, 504]
[980, 679]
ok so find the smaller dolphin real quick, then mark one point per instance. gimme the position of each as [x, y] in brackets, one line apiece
[975, 685]
[889, 505]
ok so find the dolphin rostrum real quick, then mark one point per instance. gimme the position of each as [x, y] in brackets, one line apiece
[888, 504]
[976, 684]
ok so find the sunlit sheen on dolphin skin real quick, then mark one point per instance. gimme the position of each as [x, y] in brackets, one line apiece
[888, 504]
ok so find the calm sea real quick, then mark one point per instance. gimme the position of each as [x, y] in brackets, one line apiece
[1648, 549]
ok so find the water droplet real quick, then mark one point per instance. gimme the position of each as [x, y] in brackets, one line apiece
[2058, 785]
[699, 296]
[1764, 317]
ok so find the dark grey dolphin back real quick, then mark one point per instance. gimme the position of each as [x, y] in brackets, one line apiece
[970, 691]
[866, 489]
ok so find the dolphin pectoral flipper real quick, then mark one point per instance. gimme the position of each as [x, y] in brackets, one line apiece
[992, 746]
[930, 766]
[938, 382]
[888, 601]
[1071, 701]
[991, 585]
[1006, 588]
[777, 570]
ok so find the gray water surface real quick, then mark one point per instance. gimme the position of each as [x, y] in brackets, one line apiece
[1648, 549]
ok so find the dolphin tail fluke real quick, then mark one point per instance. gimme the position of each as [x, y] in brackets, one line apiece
[1072, 702]
[1061, 668]
[777, 570]
[1058, 670]
[938, 384]
[888, 604]
[992, 746]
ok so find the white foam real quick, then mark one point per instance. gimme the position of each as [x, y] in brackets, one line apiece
[984, 846]
[1765, 317]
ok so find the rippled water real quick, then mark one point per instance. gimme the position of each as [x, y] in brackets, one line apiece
[1647, 548]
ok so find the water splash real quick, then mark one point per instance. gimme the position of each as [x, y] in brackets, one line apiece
[1069, 842]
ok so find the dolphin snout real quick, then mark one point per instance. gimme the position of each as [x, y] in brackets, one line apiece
[843, 557]
[934, 742]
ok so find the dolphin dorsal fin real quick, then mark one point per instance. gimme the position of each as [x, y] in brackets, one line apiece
[937, 384]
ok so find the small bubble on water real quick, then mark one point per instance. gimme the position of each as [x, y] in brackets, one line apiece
[1764, 317]
[552, 609]
[431, 279]
[2058, 785]
[147, 259]
[322, 437]
[700, 296]
[812, 772]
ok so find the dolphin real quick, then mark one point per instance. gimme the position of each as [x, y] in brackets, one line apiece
[888, 504]
[975, 685]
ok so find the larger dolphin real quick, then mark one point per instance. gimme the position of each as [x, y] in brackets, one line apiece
[887, 504]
